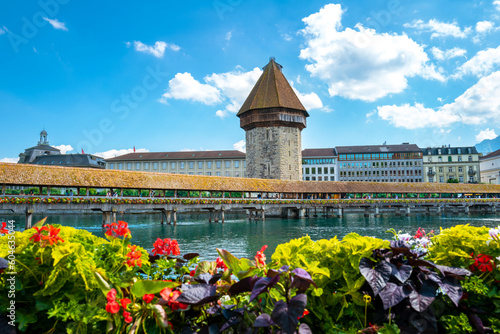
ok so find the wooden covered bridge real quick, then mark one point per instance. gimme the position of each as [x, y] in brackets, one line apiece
[90, 189]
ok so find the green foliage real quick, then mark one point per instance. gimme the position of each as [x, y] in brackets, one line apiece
[334, 267]
[457, 324]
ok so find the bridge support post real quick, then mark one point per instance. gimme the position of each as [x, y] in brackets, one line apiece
[302, 213]
[438, 210]
[493, 209]
[222, 215]
[106, 217]
[175, 216]
[29, 218]
[315, 212]
[3, 189]
[216, 216]
[209, 216]
[340, 212]
[377, 211]
[408, 211]
[169, 218]
[263, 215]
[467, 210]
[367, 212]
[114, 214]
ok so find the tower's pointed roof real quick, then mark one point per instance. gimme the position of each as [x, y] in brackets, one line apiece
[272, 90]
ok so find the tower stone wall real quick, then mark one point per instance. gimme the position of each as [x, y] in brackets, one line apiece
[274, 153]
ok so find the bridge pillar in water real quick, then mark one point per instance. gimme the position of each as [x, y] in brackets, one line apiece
[438, 210]
[222, 215]
[216, 216]
[29, 218]
[302, 213]
[493, 209]
[263, 214]
[169, 217]
[377, 211]
[340, 212]
[467, 210]
[315, 212]
[408, 211]
[367, 212]
[174, 211]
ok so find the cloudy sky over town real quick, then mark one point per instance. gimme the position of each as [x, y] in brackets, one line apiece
[105, 77]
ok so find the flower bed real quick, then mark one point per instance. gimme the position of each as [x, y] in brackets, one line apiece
[68, 280]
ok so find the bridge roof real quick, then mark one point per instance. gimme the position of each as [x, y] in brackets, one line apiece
[33, 175]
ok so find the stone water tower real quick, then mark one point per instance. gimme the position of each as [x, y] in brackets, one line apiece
[273, 118]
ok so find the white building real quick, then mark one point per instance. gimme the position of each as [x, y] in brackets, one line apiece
[319, 164]
[490, 168]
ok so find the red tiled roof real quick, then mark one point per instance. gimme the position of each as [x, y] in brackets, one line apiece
[318, 152]
[491, 155]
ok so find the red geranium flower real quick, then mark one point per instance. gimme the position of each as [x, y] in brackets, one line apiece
[117, 230]
[124, 302]
[306, 312]
[482, 262]
[52, 236]
[220, 264]
[134, 257]
[3, 230]
[37, 236]
[112, 307]
[126, 315]
[260, 258]
[148, 298]
[170, 296]
[420, 233]
[166, 247]
[111, 295]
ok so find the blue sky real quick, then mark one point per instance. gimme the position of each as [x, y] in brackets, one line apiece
[169, 75]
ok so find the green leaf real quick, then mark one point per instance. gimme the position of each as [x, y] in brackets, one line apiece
[105, 287]
[40, 223]
[231, 261]
[142, 288]
[389, 329]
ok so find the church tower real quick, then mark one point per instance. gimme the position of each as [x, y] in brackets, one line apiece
[273, 118]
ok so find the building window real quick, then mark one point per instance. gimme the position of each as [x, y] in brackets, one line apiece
[191, 173]
[209, 164]
[325, 170]
[440, 169]
[449, 159]
[236, 164]
[237, 174]
[228, 173]
[120, 166]
[218, 164]
[217, 173]
[459, 158]
[460, 169]
[313, 170]
[137, 165]
[431, 179]
[332, 170]
[129, 165]
[200, 164]
[172, 165]
[441, 179]
[450, 169]
[155, 165]
[181, 165]
[164, 165]
[111, 166]
[146, 165]
[228, 164]
[430, 160]
[471, 179]
[307, 170]
[209, 173]
[200, 173]
[440, 159]
[191, 165]
[461, 179]
[470, 158]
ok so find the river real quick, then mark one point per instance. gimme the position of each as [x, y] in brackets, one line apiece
[244, 238]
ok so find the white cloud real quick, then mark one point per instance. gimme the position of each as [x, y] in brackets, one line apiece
[11, 160]
[310, 101]
[484, 26]
[229, 35]
[496, 3]
[235, 87]
[447, 54]
[479, 104]
[439, 29]
[64, 148]
[240, 146]
[184, 87]
[287, 37]
[486, 134]
[484, 62]
[2, 31]
[115, 153]
[414, 117]
[157, 50]
[56, 24]
[360, 64]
